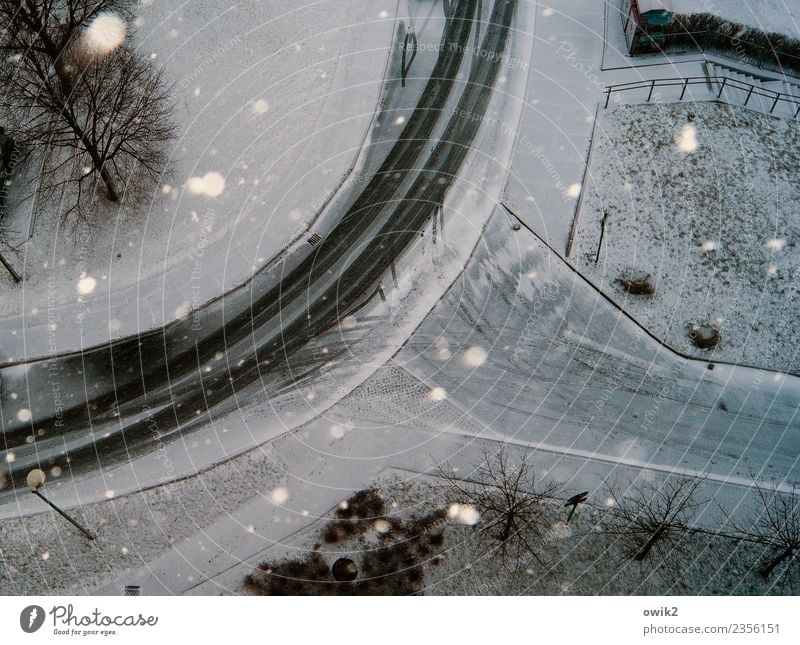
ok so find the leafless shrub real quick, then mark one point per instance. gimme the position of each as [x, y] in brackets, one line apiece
[392, 564]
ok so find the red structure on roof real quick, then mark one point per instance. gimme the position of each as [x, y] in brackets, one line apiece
[646, 23]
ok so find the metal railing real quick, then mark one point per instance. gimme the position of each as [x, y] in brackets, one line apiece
[723, 82]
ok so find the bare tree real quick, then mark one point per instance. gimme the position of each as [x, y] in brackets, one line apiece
[652, 515]
[89, 114]
[775, 523]
[511, 504]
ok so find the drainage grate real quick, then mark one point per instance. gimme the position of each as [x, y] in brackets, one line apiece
[314, 239]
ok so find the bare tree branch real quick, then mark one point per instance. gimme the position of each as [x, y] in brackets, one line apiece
[103, 117]
[511, 503]
[652, 515]
[774, 522]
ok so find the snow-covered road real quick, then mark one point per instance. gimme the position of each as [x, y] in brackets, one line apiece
[107, 401]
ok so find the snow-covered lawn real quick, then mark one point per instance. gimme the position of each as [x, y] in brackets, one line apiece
[272, 102]
[708, 208]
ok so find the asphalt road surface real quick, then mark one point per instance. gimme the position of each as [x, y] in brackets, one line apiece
[99, 406]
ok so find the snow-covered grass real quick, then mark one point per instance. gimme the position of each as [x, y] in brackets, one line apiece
[709, 209]
[272, 102]
[579, 558]
[42, 554]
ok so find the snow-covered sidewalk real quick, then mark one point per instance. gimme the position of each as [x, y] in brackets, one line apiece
[588, 396]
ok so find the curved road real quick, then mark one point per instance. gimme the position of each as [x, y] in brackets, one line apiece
[101, 405]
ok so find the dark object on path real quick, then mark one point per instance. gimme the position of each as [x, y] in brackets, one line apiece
[344, 570]
[575, 501]
[705, 336]
[638, 283]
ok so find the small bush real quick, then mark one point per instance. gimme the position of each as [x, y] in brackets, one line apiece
[704, 335]
[637, 283]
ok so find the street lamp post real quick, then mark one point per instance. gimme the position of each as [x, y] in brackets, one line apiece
[16, 276]
[35, 480]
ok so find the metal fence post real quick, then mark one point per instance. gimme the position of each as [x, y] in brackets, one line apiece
[722, 87]
[683, 91]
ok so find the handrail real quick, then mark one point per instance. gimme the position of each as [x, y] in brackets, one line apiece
[722, 81]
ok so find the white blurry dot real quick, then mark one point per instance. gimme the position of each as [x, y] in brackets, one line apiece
[437, 394]
[776, 244]
[280, 495]
[55, 471]
[337, 432]
[166, 189]
[547, 12]
[46, 555]
[105, 33]
[349, 322]
[10, 456]
[260, 106]
[771, 269]
[382, 526]
[687, 138]
[610, 502]
[383, 14]
[86, 285]
[463, 514]
[475, 356]
[24, 414]
[709, 245]
[212, 184]
[400, 120]
[124, 550]
[183, 310]
[573, 190]
[109, 494]
[295, 215]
